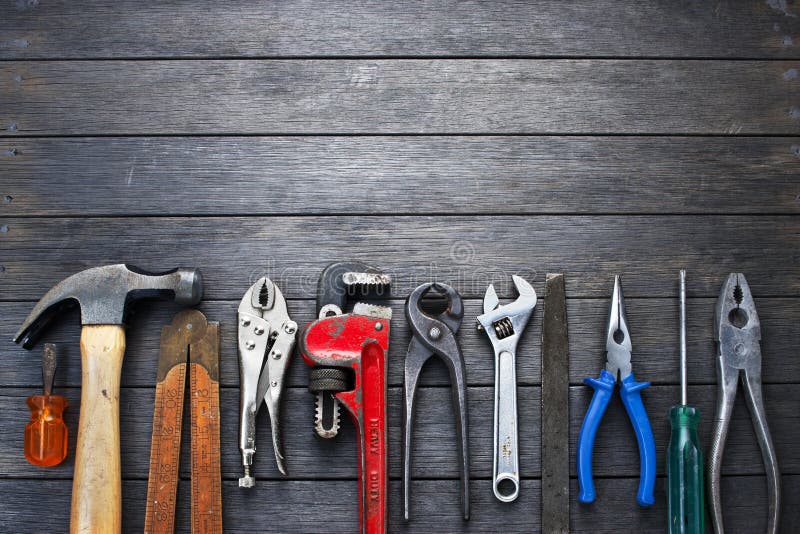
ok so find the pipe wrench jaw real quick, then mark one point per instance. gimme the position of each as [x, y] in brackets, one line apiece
[341, 284]
[266, 341]
[358, 343]
[345, 281]
[336, 348]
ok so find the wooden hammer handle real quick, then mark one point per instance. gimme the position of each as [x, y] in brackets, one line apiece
[96, 486]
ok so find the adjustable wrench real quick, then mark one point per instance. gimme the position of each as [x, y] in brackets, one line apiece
[347, 353]
[504, 326]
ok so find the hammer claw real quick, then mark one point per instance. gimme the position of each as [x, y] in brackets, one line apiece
[104, 293]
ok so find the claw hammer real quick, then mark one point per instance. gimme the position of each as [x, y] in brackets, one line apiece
[103, 294]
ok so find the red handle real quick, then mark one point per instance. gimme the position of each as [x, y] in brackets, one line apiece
[369, 417]
[361, 343]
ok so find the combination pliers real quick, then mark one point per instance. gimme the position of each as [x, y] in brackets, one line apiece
[738, 337]
[267, 336]
[618, 362]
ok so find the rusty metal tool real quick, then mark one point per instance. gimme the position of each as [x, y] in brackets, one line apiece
[738, 337]
[347, 353]
[555, 408]
[103, 294]
[190, 343]
[436, 336]
[504, 325]
[267, 337]
[46, 435]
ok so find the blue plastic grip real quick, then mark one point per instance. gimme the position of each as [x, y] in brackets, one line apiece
[632, 399]
[603, 389]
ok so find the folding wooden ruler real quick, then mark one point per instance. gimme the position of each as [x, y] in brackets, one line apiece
[189, 341]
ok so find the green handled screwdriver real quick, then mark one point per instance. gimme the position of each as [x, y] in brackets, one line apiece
[684, 455]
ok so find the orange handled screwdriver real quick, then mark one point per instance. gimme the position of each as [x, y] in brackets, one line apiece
[46, 433]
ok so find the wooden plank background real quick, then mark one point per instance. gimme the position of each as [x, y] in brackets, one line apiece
[461, 141]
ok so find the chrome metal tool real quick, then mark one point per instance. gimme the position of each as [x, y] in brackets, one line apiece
[267, 336]
[738, 336]
[504, 326]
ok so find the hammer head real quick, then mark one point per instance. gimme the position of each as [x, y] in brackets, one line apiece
[104, 293]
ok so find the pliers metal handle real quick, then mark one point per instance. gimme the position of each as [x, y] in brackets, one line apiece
[738, 336]
[618, 355]
[267, 337]
[436, 335]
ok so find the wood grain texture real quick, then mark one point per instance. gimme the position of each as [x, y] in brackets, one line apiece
[464, 142]
[434, 444]
[398, 175]
[467, 252]
[33, 29]
[96, 486]
[653, 323]
[391, 96]
[272, 507]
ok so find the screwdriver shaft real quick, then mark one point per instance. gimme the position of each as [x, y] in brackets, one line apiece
[683, 336]
[685, 506]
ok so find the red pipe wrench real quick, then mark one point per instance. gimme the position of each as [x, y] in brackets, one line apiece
[347, 354]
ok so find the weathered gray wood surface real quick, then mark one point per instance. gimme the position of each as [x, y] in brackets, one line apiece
[308, 458]
[45, 29]
[652, 325]
[467, 251]
[410, 96]
[413, 175]
[292, 506]
[463, 141]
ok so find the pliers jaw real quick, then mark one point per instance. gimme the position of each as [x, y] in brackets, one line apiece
[737, 328]
[266, 333]
[618, 339]
[429, 329]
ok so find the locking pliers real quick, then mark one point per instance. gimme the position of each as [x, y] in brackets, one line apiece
[266, 332]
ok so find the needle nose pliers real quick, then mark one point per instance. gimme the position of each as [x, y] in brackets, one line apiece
[618, 362]
[738, 335]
